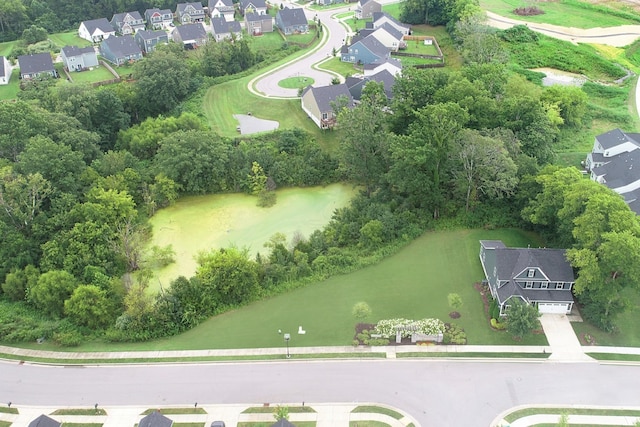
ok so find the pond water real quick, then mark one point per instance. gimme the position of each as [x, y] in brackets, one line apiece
[198, 223]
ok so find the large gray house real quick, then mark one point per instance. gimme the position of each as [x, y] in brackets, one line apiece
[541, 277]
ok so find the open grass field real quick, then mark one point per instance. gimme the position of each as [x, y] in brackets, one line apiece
[418, 47]
[6, 48]
[98, 74]
[452, 58]
[68, 39]
[568, 13]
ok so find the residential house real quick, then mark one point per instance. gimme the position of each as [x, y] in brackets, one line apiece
[259, 7]
[77, 58]
[5, 70]
[540, 277]
[317, 103]
[223, 29]
[365, 51]
[389, 36]
[127, 22]
[158, 19]
[155, 419]
[96, 30]
[222, 9]
[390, 64]
[292, 21]
[380, 18]
[357, 84]
[256, 24]
[148, 40]
[189, 13]
[36, 65]
[366, 8]
[190, 35]
[611, 162]
[44, 421]
[120, 50]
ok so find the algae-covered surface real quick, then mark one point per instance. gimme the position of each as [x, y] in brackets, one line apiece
[201, 223]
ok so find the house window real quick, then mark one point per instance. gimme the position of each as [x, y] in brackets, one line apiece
[324, 116]
[559, 285]
[531, 272]
[545, 285]
[529, 285]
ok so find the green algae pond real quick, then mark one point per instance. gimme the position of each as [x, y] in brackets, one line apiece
[201, 223]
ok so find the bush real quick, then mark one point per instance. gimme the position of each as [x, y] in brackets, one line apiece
[454, 334]
[494, 310]
[68, 338]
[497, 325]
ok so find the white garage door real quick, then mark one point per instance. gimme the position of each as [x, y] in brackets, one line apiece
[554, 308]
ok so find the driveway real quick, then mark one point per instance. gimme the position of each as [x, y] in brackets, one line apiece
[564, 344]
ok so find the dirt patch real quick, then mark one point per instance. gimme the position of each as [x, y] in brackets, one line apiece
[528, 11]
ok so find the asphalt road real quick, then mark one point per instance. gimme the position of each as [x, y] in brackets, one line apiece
[435, 392]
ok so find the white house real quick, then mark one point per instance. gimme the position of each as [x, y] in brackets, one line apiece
[5, 71]
[96, 30]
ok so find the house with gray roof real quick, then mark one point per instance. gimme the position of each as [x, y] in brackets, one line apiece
[36, 65]
[380, 18]
[318, 103]
[127, 22]
[223, 29]
[258, 7]
[148, 40]
[120, 50]
[538, 276]
[5, 71]
[96, 30]
[189, 13]
[77, 58]
[292, 21]
[390, 64]
[222, 9]
[155, 419]
[357, 84]
[190, 35]
[158, 19]
[365, 51]
[390, 37]
[366, 8]
[615, 162]
[256, 24]
[44, 421]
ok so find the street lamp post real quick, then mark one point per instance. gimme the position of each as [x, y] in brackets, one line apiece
[287, 337]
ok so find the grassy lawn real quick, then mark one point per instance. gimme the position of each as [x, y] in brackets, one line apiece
[418, 47]
[565, 13]
[296, 82]
[367, 423]
[5, 423]
[393, 9]
[337, 66]
[9, 91]
[98, 74]
[68, 39]
[410, 61]
[377, 410]
[6, 48]
[188, 424]
[478, 354]
[570, 411]
[270, 423]
[303, 38]
[272, 409]
[7, 410]
[452, 57]
[175, 411]
[266, 41]
[83, 424]
[80, 411]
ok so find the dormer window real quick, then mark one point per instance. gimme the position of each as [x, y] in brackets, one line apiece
[531, 272]
[528, 285]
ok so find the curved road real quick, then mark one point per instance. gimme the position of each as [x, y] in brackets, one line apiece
[435, 392]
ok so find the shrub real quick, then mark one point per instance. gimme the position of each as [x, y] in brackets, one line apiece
[497, 325]
[361, 310]
[494, 310]
[70, 338]
[388, 327]
[454, 334]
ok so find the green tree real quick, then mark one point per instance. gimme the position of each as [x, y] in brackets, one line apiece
[361, 310]
[89, 306]
[455, 301]
[522, 318]
[51, 290]
[15, 285]
[22, 197]
[571, 101]
[34, 34]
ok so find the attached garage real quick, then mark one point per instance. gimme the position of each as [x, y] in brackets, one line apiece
[554, 307]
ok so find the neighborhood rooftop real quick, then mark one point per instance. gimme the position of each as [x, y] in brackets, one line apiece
[122, 46]
[35, 63]
[70, 51]
[101, 24]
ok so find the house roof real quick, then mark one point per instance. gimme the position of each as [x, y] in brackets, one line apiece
[511, 289]
[150, 12]
[150, 35]
[44, 421]
[395, 33]
[294, 16]
[620, 170]
[384, 76]
[119, 17]
[363, 2]
[35, 63]
[254, 17]
[375, 46]
[325, 95]
[221, 26]
[380, 15]
[191, 31]
[98, 24]
[614, 138]
[632, 198]
[283, 422]
[155, 419]
[226, 3]
[378, 62]
[552, 262]
[258, 4]
[180, 7]
[70, 51]
[122, 46]
[3, 71]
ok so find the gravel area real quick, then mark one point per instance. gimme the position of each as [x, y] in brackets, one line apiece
[250, 124]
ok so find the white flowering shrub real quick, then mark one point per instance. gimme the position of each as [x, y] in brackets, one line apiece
[388, 327]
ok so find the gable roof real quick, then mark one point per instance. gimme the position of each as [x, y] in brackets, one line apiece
[122, 46]
[70, 51]
[614, 138]
[552, 262]
[44, 421]
[119, 17]
[380, 15]
[374, 45]
[325, 95]
[227, 4]
[35, 63]
[254, 17]
[378, 62]
[258, 4]
[98, 24]
[150, 35]
[222, 26]
[191, 31]
[620, 171]
[180, 7]
[150, 12]
[155, 419]
[395, 33]
[294, 16]
[356, 85]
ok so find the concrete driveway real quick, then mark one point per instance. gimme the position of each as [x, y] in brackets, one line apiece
[563, 341]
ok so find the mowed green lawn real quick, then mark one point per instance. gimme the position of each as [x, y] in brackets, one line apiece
[413, 284]
[563, 13]
[68, 39]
